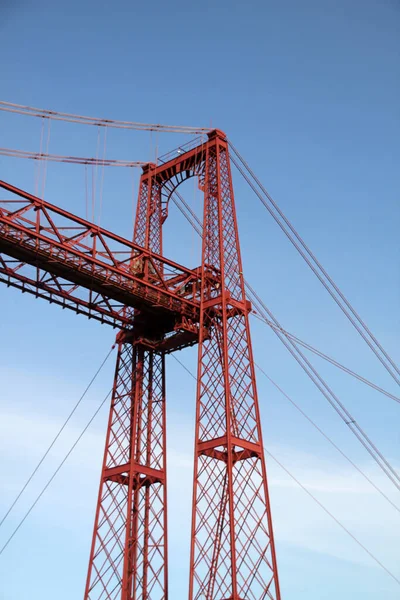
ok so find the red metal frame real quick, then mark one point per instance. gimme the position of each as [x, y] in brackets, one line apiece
[56, 255]
[129, 549]
[159, 307]
[232, 548]
[130, 532]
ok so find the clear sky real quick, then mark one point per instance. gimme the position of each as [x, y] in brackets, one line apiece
[309, 93]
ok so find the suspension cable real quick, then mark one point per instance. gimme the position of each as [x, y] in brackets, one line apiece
[324, 356]
[28, 512]
[71, 118]
[314, 264]
[313, 423]
[328, 512]
[35, 470]
[305, 489]
[332, 398]
[46, 161]
[38, 166]
[102, 177]
[192, 213]
[76, 160]
[175, 197]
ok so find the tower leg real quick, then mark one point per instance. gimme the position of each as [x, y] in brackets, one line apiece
[232, 552]
[128, 559]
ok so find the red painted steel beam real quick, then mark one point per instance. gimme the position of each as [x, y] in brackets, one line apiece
[56, 255]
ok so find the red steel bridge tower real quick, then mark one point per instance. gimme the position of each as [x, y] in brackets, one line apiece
[161, 307]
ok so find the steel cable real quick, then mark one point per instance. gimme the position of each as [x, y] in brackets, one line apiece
[31, 476]
[332, 398]
[325, 357]
[304, 250]
[71, 118]
[332, 516]
[55, 472]
[75, 160]
[313, 423]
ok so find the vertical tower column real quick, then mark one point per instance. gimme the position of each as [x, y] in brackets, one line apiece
[128, 559]
[232, 549]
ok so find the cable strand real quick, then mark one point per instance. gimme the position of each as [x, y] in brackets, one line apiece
[71, 118]
[31, 476]
[28, 512]
[303, 250]
[304, 414]
[325, 356]
[333, 400]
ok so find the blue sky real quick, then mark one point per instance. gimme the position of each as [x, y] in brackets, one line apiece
[308, 92]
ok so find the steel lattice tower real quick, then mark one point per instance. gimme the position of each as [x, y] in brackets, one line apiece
[232, 554]
[161, 307]
[129, 557]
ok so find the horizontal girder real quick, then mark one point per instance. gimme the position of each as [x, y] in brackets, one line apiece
[58, 256]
